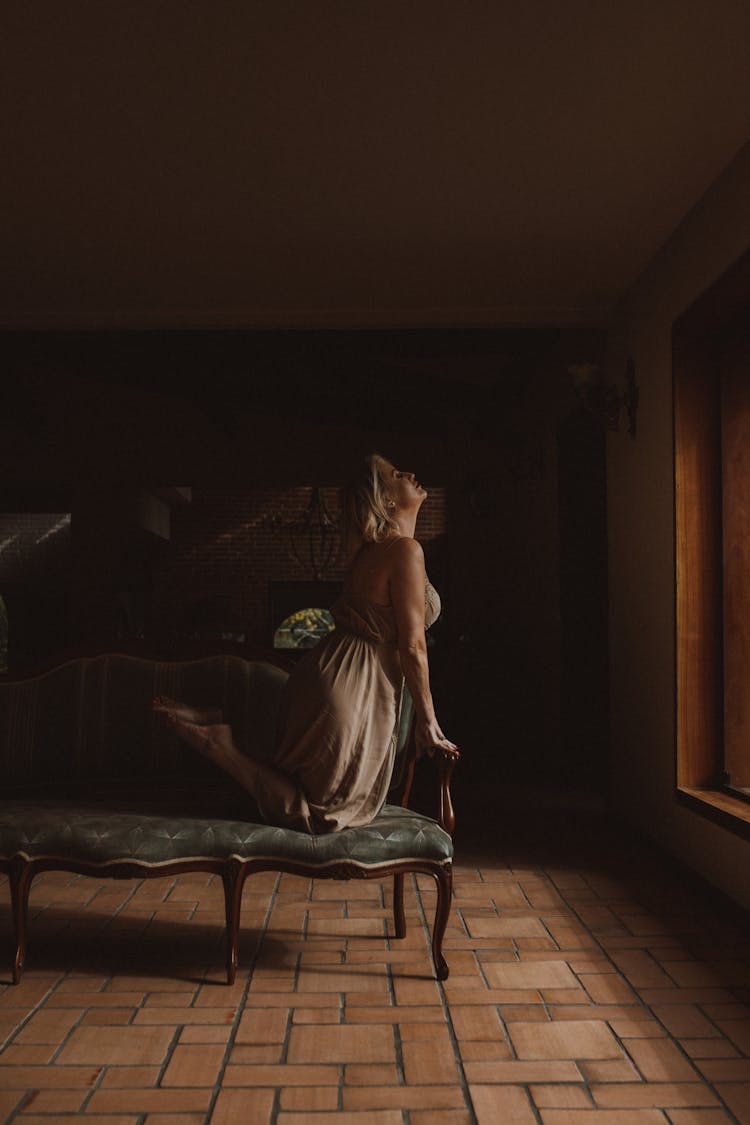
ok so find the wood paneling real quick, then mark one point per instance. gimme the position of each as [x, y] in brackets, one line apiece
[735, 420]
[698, 554]
[711, 359]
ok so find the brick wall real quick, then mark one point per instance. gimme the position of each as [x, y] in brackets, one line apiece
[227, 547]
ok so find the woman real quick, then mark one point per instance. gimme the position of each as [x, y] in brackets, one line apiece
[341, 706]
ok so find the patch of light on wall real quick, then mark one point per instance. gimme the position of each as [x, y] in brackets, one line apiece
[62, 523]
[8, 542]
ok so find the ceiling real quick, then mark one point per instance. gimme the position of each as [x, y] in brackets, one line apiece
[349, 162]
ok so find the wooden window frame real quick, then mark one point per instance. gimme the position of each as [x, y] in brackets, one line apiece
[696, 337]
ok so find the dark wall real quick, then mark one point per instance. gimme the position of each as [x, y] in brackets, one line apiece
[35, 583]
[584, 673]
[99, 417]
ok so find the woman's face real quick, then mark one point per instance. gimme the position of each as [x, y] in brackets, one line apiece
[403, 487]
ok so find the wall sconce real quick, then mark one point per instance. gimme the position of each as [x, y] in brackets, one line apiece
[606, 401]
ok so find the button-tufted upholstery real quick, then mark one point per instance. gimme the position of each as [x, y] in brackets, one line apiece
[86, 833]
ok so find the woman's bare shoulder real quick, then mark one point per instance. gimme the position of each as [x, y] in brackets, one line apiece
[406, 543]
[407, 551]
[378, 562]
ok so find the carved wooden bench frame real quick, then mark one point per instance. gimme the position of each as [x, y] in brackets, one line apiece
[21, 872]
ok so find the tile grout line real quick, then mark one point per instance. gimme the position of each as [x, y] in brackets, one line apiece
[526, 1086]
[241, 1006]
[702, 1080]
[97, 1085]
[618, 973]
[463, 1081]
[538, 912]
[577, 914]
[284, 1052]
[84, 1012]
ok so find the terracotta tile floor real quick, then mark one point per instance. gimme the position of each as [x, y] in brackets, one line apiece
[591, 982]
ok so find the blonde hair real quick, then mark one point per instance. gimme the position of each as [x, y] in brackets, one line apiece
[364, 506]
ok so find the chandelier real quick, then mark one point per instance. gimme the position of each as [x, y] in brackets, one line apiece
[312, 537]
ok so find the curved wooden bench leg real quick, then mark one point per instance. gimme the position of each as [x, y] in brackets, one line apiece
[399, 918]
[233, 878]
[444, 880]
[20, 875]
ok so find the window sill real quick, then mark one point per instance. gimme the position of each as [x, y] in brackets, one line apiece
[729, 812]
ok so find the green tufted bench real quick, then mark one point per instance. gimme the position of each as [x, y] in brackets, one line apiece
[94, 782]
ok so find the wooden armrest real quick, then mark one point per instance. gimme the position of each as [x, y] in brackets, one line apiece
[445, 762]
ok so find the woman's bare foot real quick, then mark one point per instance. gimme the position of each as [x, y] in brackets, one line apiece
[197, 715]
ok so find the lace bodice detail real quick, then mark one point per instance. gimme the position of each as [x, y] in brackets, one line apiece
[355, 613]
[431, 605]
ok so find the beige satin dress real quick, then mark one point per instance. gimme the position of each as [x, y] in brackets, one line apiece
[339, 722]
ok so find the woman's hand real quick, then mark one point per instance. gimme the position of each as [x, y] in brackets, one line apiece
[428, 737]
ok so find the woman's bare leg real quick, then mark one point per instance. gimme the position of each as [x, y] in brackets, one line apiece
[278, 798]
[199, 715]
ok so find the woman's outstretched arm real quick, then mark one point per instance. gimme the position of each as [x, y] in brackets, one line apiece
[407, 582]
